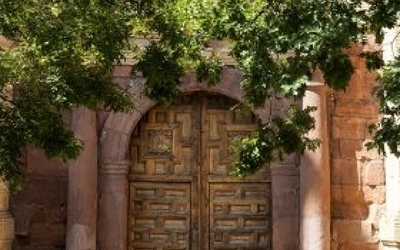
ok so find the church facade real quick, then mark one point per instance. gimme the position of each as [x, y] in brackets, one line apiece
[158, 178]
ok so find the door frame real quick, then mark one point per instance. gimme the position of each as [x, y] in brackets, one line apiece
[113, 173]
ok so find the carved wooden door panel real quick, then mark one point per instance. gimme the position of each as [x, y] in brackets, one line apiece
[181, 194]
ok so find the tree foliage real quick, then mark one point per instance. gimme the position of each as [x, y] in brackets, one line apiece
[64, 52]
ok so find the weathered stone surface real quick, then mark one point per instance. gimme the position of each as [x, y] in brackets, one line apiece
[40, 212]
[357, 246]
[23, 217]
[82, 184]
[357, 177]
[367, 155]
[344, 171]
[355, 234]
[348, 194]
[48, 234]
[345, 128]
[360, 109]
[45, 190]
[348, 202]
[349, 211]
[374, 194]
[349, 148]
[112, 226]
[38, 164]
[374, 173]
[352, 231]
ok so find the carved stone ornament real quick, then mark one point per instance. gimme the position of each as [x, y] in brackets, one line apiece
[159, 142]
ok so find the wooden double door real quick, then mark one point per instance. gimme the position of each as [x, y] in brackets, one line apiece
[181, 193]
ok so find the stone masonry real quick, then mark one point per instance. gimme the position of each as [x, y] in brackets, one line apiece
[357, 175]
[357, 181]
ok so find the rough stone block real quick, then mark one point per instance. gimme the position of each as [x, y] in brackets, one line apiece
[354, 231]
[374, 194]
[42, 191]
[359, 108]
[357, 246]
[345, 128]
[366, 155]
[348, 203]
[347, 230]
[369, 232]
[344, 172]
[348, 194]
[23, 215]
[334, 148]
[349, 211]
[349, 148]
[56, 215]
[48, 235]
[37, 163]
[374, 173]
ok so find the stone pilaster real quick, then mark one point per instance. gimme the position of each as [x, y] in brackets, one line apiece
[82, 184]
[315, 178]
[113, 206]
[6, 221]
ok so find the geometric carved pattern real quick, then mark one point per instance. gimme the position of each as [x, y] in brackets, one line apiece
[160, 142]
[240, 216]
[159, 216]
[181, 193]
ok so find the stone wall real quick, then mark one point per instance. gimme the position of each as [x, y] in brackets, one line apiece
[357, 178]
[357, 175]
[40, 208]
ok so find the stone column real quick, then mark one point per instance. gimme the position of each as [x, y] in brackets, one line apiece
[315, 201]
[6, 221]
[113, 206]
[82, 184]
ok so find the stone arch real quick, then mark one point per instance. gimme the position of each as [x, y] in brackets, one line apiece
[114, 144]
[118, 127]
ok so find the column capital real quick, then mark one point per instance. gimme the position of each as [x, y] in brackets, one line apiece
[115, 168]
[316, 86]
